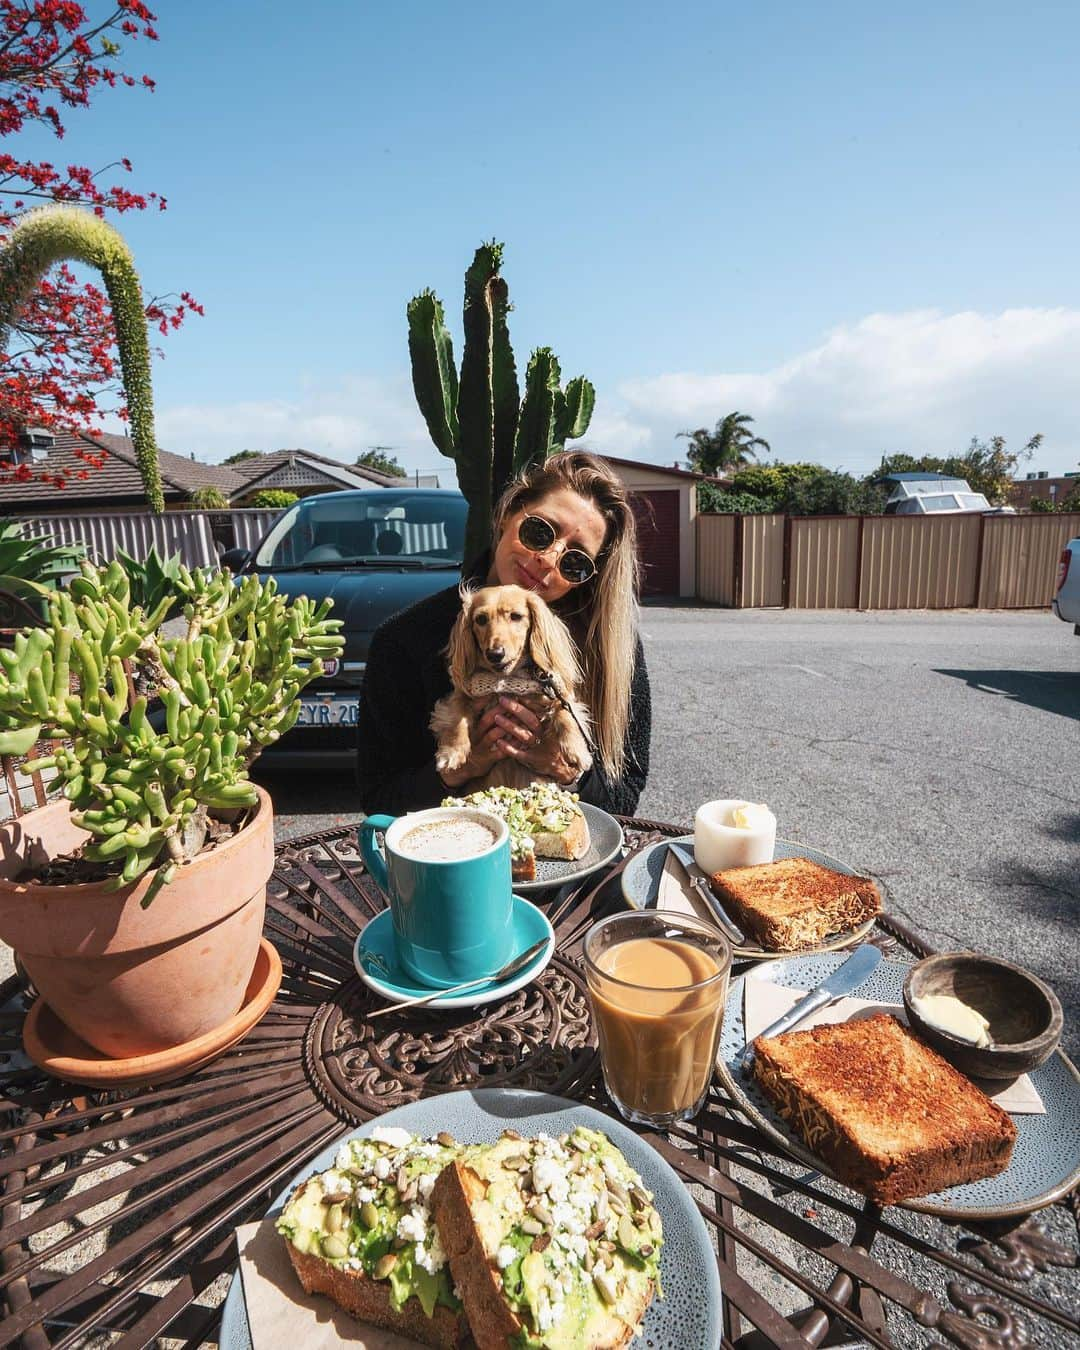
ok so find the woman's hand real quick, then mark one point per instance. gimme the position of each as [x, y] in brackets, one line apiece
[510, 730]
[485, 753]
[520, 739]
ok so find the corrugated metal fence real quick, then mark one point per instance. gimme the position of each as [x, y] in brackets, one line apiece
[199, 536]
[881, 562]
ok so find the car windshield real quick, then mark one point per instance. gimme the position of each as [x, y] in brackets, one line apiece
[386, 527]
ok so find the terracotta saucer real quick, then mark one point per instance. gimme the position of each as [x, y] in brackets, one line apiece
[56, 1049]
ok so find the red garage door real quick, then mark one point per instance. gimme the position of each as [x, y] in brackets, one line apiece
[658, 539]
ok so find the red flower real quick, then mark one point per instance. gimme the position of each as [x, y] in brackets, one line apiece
[60, 368]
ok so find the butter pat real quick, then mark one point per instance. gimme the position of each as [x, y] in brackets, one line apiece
[950, 1014]
[733, 833]
[752, 816]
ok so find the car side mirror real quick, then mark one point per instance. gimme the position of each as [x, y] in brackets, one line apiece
[235, 559]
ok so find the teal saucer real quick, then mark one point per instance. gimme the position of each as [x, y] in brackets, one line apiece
[376, 960]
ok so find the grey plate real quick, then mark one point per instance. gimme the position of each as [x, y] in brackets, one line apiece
[605, 843]
[641, 885]
[690, 1313]
[1046, 1160]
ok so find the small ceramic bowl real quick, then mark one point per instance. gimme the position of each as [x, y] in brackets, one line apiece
[1024, 1014]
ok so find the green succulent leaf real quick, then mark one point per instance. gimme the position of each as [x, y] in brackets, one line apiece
[20, 740]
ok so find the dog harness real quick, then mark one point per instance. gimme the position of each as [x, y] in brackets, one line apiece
[486, 684]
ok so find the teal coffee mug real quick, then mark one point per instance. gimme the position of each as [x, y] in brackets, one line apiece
[446, 874]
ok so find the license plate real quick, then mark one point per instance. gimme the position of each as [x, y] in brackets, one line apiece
[329, 710]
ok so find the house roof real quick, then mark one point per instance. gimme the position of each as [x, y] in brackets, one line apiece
[348, 475]
[117, 483]
[673, 470]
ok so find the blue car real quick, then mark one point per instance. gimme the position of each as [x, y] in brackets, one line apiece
[374, 552]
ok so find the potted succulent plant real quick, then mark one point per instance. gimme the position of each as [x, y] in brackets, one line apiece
[135, 900]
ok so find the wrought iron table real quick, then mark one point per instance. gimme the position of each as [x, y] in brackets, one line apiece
[119, 1209]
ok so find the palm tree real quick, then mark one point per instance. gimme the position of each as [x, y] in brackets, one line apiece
[728, 447]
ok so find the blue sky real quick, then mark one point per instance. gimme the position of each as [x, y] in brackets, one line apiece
[858, 226]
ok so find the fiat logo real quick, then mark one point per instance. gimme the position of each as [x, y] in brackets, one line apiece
[331, 665]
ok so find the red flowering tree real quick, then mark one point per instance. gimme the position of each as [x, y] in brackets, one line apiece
[60, 365]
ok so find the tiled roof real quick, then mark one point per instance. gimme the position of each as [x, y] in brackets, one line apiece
[252, 469]
[118, 483]
[184, 474]
[673, 470]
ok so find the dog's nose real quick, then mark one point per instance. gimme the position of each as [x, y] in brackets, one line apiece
[496, 655]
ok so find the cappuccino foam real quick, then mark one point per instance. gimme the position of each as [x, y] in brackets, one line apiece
[446, 840]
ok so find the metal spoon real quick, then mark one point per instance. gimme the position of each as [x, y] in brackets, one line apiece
[511, 968]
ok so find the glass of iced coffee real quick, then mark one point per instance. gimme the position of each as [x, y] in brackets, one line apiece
[658, 983]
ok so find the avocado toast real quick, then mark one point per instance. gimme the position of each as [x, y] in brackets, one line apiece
[544, 821]
[553, 1242]
[362, 1232]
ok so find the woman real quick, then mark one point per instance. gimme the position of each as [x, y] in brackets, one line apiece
[565, 531]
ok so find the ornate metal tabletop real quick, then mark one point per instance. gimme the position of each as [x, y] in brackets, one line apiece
[119, 1209]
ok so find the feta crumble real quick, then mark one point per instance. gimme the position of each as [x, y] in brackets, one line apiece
[391, 1134]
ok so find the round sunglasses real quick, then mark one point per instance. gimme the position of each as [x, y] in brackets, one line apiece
[538, 535]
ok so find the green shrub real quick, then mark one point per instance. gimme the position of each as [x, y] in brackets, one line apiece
[208, 499]
[272, 499]
[150, 581]
[712, 500]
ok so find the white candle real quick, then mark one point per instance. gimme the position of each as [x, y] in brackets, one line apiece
[733, 833]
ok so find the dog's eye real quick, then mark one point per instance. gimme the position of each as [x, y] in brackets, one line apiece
[481, 620]
[516, 618]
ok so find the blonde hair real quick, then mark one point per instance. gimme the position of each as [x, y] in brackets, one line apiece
[603, 612]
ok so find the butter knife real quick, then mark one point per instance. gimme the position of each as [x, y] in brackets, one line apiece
[856, 970]
[699, 884]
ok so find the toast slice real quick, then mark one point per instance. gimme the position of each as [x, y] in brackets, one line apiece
[362, 1234]
[795, 903]
[523, 865]
[552, 1242]
[889, 1116]
[570, 842]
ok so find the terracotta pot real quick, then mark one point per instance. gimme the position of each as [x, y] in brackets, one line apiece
[128, 980]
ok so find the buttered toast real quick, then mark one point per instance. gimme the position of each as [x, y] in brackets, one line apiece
[887, 1114]
[794, 903]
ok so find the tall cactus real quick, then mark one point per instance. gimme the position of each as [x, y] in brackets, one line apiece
[482, 424]
[53, 234]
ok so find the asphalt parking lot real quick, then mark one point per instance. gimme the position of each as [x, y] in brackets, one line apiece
[937, 750]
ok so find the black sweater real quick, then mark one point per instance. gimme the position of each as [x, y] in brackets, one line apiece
[406, 676]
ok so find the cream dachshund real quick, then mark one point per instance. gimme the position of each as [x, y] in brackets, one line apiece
[506, 641]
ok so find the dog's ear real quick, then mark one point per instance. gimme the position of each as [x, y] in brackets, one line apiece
[461, 650]
[550, 645]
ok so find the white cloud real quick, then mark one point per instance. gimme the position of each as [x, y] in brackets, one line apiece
[921, 381]
[340, 420]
